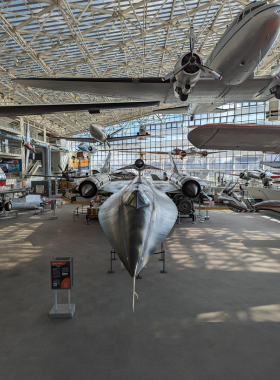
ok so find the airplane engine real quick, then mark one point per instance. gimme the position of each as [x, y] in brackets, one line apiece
[184, 204]
[89, 187]
[190, 187]
[187, 77]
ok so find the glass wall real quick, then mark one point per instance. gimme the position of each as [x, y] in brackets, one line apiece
[171, 131]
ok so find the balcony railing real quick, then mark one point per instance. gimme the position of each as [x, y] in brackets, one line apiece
[4, 149]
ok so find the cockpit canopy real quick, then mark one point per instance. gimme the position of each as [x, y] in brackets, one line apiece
[137, 199]
[249, 8]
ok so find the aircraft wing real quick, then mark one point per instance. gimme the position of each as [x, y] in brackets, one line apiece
[115, 186]
[42, 109]
[14, 191]
[206, 91]
[125, 138]
[236, 137]
[164, 186]
[81, 139]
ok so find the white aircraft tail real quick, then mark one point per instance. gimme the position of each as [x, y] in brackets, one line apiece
[173, 165]
[106, 167]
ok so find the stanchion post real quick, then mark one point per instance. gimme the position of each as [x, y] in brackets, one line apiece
[163, 262]
[111, 271]
[114, 258]
[74, 216]
[161, 252]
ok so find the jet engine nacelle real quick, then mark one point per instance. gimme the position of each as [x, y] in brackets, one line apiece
[190, 187]
[89, 187]
[187, 77]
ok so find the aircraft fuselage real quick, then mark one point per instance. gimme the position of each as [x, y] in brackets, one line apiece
[246, 42]
[98, 133]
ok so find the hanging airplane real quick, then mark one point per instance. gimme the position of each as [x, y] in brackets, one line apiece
[175, 152]
[256, 174]
[227, 76]
[88, 148]
[99, 134]
[250, 137]
[139, 215]
[271, 164]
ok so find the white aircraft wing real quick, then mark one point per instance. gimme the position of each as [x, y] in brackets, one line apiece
[126, 137]
[236, 137]
[207, 90]
[81, 139]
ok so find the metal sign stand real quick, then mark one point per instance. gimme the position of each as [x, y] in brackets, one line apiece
[53, 207]
[62, 278]
[62, 310]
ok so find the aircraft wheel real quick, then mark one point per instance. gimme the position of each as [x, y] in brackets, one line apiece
[182, 96]
[277, 92]
[8, 206]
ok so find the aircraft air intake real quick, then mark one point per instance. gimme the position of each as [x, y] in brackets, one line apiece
[87, 189]
[191, 188]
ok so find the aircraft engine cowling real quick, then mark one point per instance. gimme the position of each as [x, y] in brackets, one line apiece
[89, 187]
[190, 187]
[188, 77]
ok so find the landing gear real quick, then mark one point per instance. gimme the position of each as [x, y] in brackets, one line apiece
[8, 206]
[182, 96]
[277, 92]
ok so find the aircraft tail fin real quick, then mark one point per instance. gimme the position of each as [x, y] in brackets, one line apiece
[173, 165]
[106, 167]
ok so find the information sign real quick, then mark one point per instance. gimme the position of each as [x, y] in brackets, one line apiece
[62, 273]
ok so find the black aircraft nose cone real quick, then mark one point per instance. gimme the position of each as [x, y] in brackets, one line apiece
[139, 163]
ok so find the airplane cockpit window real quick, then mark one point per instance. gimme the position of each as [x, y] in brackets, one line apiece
[247, 11]
[240, 17]
[137, 199]
[257, 6]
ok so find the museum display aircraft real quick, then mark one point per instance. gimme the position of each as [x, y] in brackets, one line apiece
[99, 134]
[265, 138]
[227, 76]
[175, 152]
[139, 215]
[87, 148]
[256, 174]
[5, 199]
[230, 197]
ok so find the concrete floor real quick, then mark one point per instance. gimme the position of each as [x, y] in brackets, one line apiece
[214, 316]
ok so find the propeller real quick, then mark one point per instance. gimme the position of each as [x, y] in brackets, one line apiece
[192, 61]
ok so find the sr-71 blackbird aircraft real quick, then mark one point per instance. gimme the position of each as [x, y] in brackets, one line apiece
[227, 77]
[139, 215]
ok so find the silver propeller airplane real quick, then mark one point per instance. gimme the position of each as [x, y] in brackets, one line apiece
[99, 134]
[227, 76]
[139, 215]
